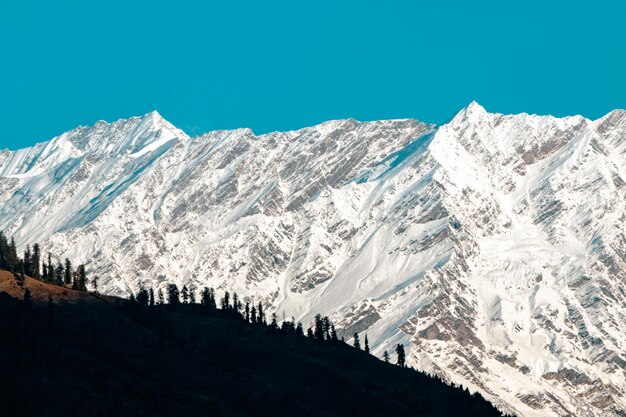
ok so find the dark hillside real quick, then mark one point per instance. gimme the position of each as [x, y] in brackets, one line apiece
[72, 353]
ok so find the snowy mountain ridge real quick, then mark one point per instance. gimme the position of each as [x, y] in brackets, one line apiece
[494, 245]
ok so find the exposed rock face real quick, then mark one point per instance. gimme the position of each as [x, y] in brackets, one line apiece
[494, 245]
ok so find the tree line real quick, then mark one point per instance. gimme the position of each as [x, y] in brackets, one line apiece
[32, 264]
[64, 274]
[322, 330]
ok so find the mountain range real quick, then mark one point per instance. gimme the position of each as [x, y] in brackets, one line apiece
[494, 246]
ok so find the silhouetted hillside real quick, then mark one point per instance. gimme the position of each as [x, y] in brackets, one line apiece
[73, 353]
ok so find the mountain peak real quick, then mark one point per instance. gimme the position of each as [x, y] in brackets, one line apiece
[475, 106]
[153, 121]
[474, 109]
[155, 118]
[152, 115]
[471, 112]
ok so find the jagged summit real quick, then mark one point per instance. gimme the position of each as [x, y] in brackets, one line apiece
[155, 120]
[475, 108]
[491, 245]
[473, 113]
[152, 116]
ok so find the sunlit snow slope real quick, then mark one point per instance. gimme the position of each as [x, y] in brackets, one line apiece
[494, 245]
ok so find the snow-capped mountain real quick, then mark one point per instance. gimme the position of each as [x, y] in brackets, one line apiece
[494, 245]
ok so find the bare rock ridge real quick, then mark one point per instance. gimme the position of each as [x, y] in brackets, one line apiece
[493, 245]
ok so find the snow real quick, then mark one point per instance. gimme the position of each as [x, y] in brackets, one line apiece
[491, 246]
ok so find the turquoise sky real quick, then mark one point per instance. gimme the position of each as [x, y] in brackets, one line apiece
[272, 65]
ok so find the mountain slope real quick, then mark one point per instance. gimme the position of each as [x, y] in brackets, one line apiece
[74, 353]
[493, 245]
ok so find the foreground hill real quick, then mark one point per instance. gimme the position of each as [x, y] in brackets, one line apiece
[75, 353]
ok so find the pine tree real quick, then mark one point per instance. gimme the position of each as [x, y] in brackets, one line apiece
[160, 297]
[274, 323]
[357, 343]
[8, 254]
[309, 333]
[367, 345]
[173, 294]
[143, 297]
[12, 256]
[261, 314]
[206, 298]
[236, 305]
[4, 247]
[44, 272]
[326, 326]
[247, 311]
[36, 260]
[80, 280]
[225, 304]
[50, 268]
[67, 278]
[253, 315]
[59, 273]
[151, 301]
[94, 284]
[299, 330]
[293, 325]
[319, 327]
[386, 356]
[28, 263]
[288, 326]
[22, 274]
[212, 302]
[401, 356]
[184, 294]
[333, 333]
[192, 295]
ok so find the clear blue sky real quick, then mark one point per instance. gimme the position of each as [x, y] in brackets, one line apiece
[272, 65]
